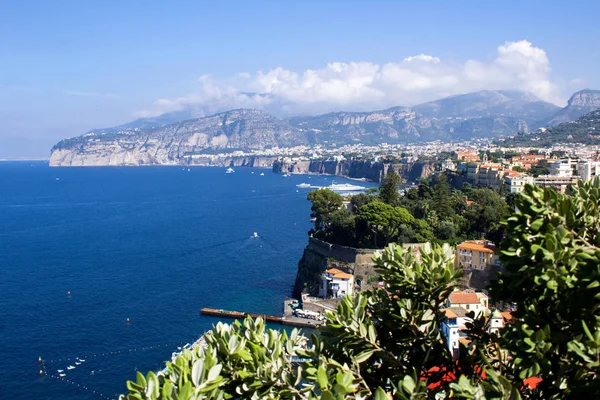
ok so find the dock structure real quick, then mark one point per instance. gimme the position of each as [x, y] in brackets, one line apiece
[287, 319]
[238, 314]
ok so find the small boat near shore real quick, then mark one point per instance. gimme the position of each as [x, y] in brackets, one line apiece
[303, 185]
[229, 170]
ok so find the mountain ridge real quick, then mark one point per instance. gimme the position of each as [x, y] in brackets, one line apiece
[159, 140]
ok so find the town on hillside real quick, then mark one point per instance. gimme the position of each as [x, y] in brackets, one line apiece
[461, 201]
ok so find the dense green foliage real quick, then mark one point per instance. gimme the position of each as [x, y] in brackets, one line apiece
[433, 211]
[585, 130]
[387, 342]
[324, 203]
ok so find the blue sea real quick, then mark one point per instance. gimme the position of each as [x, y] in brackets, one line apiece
[82, 250]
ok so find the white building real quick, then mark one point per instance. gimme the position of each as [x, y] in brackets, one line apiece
[496, 321]
[337, 283]
[587, 169]
[459, 304]
[562, 168]
[516, 183]
[448, 165]
[452, 327]
[477, 302]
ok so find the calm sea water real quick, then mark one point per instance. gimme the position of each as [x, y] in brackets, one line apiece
[150, 244]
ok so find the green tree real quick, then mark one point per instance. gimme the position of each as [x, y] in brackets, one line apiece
[324, 202]
[341, 227]
[384, 221]
[388, 191]
[486, 213]
[441, 198]
[540, 169]
[360, 200]
[552, 259]
[466, 188]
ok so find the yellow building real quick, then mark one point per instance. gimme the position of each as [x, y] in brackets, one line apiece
[475, 254]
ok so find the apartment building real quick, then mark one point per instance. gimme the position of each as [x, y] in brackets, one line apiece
[475, 254]
[466, 156]
[559, 183]
[486, 174]
[515, 182]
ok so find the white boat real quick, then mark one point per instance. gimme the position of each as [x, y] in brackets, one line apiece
[62, 375]
[303, 185]
[229, 170]
[81, 360]
[345, 187]
[60, 371]
[287, 174]
[255, 235]
[77, 363]
[70, 367]
[262, 174]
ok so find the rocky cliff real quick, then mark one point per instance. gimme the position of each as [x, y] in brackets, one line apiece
[356, 169]
[581, 103]
[319, 256]
[177, 143]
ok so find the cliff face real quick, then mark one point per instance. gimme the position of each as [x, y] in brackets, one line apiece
[250, 161]
[176, 143]
[356, 169]
[581, 103]
[347, 168]
[319, 256]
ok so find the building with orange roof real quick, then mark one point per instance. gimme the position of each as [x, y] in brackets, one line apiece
[507, 316]
[475, 254]
[457, 308]
[337, 283]
[467, 156]
[470, 301]
[486, 174]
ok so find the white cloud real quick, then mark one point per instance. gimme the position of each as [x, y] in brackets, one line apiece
[368, 86]
[422, 57]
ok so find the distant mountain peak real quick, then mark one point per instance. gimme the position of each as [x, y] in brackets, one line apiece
[585, 98]
[579, 104]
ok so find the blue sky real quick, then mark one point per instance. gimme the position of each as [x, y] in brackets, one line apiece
[70, 66]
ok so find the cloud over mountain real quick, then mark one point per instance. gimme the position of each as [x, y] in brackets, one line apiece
[364, 85]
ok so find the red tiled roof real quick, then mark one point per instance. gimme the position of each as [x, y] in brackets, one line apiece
[338, 274]
[474, 245]
[449, 313]
[458, 297]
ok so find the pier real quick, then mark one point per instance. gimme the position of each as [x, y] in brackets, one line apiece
[288, 318]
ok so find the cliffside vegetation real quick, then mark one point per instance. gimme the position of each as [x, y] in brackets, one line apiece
[584, 130]
[430, 212]
[387, 342]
